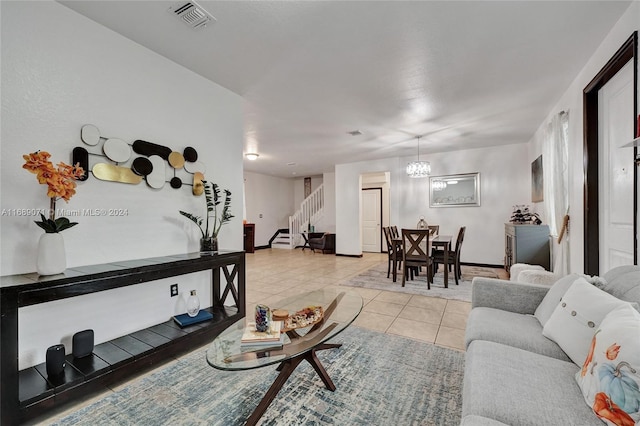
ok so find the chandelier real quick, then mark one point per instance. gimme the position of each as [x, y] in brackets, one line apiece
[438, 185]
[418, 169]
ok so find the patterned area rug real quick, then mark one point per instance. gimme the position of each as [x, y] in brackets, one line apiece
[376, 278]
[381, 379]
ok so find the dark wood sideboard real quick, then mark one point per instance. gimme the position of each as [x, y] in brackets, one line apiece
[28, 393]
[249, 237]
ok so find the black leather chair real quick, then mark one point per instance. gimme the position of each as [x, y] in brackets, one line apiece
[326, 243]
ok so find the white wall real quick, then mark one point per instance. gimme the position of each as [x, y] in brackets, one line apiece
[505, 181]
[271, 197]
[60, 71]
[572, 101]
[328, 221]
[298, 184]
[380, 180]
[349, 200]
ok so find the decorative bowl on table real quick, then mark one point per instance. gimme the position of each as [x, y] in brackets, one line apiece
[305, 317]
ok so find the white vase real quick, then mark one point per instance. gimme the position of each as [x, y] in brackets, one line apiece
[51, 254]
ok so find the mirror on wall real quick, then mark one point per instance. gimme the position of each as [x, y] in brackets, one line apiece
[455, 190]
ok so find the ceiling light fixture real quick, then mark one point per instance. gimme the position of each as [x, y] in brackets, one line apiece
[252, 156]
[418, 169]
[438, 185]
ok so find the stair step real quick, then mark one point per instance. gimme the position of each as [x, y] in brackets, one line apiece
[282, 241]
[285, 246]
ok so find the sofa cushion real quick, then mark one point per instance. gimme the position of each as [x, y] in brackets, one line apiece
[623, 282]
[552, 298]
[613, 274]
[611, 372]
[509, 296]
[517, 330]
[518, 387]
[576, 318]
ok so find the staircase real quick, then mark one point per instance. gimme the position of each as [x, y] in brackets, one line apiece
[282, 240]
[311, 210]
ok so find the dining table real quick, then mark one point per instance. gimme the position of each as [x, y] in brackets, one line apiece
[443, 241]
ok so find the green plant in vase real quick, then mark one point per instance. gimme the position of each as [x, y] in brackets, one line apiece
[215, 217]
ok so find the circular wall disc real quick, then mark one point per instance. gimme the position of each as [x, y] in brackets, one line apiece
[190, 154]
[176, 160]
[117, 150]
[90, 134]
[194, 167]
[142, 166]
[176, 182]
[156, 179]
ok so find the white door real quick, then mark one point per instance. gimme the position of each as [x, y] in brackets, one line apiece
[371, 219]
[615, 169]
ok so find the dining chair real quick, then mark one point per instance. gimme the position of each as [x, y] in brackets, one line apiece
[394, 231]
[433, 230]
[391, 248]
[415, 253]
[453, 258]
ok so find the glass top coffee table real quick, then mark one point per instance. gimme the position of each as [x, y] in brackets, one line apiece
[341, 308]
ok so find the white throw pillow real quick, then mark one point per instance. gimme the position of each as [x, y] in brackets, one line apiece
[552, 298]
[538, 277]
[610, 376]
[517, 268]
[575, 319]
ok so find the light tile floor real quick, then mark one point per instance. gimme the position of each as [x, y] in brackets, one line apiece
[273, 274]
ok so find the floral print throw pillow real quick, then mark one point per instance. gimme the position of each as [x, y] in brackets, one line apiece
[610, 376]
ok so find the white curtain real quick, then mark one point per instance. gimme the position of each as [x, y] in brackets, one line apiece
[555, 171]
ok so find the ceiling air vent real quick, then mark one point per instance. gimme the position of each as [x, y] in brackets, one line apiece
[192, 14]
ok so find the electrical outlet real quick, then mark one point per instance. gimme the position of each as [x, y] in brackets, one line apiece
[174, 290]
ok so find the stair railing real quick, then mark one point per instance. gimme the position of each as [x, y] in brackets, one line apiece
[311, 210]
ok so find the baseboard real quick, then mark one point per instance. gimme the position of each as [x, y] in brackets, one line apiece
[482, 265]
[349, 255]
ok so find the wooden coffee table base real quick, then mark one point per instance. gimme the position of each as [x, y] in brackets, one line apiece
[288, 367]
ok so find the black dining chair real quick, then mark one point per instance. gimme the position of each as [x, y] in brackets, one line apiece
[453, 258]
[415, 254]
[392, 250]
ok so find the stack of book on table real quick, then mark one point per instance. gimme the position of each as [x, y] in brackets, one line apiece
[257, 339]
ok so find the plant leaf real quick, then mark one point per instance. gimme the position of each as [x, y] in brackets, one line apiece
[53, 226]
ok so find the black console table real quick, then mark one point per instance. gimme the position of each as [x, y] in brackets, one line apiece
[28, 393]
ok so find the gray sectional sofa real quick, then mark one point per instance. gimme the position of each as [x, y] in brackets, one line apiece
[513, 374]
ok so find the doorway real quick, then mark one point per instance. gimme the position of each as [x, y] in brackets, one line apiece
[372, 220]
[610, 111]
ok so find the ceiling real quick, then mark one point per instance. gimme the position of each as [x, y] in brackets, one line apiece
[465, 74]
